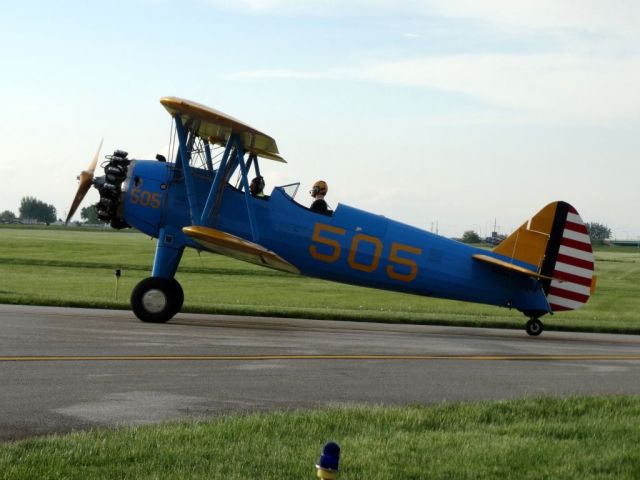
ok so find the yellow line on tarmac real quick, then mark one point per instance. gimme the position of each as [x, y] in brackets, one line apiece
[212, 358]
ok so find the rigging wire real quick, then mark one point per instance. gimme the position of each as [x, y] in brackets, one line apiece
[171, 141]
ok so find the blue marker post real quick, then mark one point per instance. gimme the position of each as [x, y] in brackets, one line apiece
[328, 464]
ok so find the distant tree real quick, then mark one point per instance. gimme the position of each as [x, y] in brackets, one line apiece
[598, 231]
[471, 237]
[7, 217]
[34, 209]
[90, 215]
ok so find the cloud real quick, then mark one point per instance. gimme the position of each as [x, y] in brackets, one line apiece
[621, 17]
[284, 74]
[279, 6]
[548, 86]
[578, 60]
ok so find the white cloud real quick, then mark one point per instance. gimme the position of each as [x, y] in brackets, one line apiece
[554, 85]
[279, 6]
[618, 17]
[284, 74]
[539, 86]
[586, 70]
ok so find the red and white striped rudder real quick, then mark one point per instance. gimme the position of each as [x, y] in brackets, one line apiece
[569, 261]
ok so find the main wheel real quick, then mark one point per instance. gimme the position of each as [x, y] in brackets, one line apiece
[534, 327]
[156, 300]
[179, 295]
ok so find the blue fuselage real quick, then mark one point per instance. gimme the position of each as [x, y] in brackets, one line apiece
[350, 246]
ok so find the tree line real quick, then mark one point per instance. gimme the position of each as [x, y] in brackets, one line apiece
[597, 231]
[34, 210]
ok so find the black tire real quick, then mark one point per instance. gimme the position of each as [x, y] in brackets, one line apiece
[179, 295]
[155, 299]
[534, 327]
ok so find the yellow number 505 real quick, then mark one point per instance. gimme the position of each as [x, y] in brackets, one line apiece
[145, 198]
[397, 255]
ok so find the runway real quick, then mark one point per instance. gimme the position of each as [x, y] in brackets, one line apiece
[65, 369]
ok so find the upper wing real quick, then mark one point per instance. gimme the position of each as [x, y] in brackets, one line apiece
[216, 126]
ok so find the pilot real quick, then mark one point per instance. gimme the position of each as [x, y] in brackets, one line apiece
[257, 187]
[318, 191]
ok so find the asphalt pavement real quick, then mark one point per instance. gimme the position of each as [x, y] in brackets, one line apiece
[64, 369]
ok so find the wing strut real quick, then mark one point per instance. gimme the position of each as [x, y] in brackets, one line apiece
[185, 157]
[217, 181]
[233, 157]
[253, 159]
[247, 194]
[207, 154]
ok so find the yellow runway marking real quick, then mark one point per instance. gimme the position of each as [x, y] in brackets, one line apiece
[213, 358]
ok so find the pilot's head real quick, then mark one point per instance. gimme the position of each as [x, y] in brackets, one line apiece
[257, 186]
[319, 188]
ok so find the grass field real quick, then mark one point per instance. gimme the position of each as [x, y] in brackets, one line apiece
[76, 267]
[578, 438]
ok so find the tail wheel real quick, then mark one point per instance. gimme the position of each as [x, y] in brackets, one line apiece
[156, 300]
[534, 327]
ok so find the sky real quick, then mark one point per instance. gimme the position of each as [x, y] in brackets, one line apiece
[449, 114]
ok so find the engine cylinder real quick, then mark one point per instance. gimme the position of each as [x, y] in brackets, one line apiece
[110, 189]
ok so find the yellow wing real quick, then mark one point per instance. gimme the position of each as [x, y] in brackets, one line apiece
[217, 127]
[227, 244]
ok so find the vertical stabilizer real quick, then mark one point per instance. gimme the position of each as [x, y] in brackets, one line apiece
[556, 242]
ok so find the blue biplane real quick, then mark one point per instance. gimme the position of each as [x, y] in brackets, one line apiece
[545, 266]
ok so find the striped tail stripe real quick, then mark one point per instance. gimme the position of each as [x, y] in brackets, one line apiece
[576, 262]
[573, 269]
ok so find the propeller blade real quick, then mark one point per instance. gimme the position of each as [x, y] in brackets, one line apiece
[86, 178]
[94, 162]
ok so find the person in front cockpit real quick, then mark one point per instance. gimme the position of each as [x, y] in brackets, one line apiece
[257, 187]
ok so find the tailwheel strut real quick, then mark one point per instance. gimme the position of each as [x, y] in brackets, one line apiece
[534, 327]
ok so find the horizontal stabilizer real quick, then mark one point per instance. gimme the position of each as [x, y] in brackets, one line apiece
[227, 244]
[509, 266]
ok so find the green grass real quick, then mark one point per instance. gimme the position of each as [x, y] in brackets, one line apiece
[76, 267]
[576, 438]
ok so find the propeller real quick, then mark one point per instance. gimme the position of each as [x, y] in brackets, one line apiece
[86, 178]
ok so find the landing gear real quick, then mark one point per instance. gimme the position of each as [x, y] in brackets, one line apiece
[157, 300]
[534, 327]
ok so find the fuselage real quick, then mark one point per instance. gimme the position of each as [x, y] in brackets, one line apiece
[350, 246]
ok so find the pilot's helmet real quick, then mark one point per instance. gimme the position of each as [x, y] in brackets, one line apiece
[257, 185]
[319, 188]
